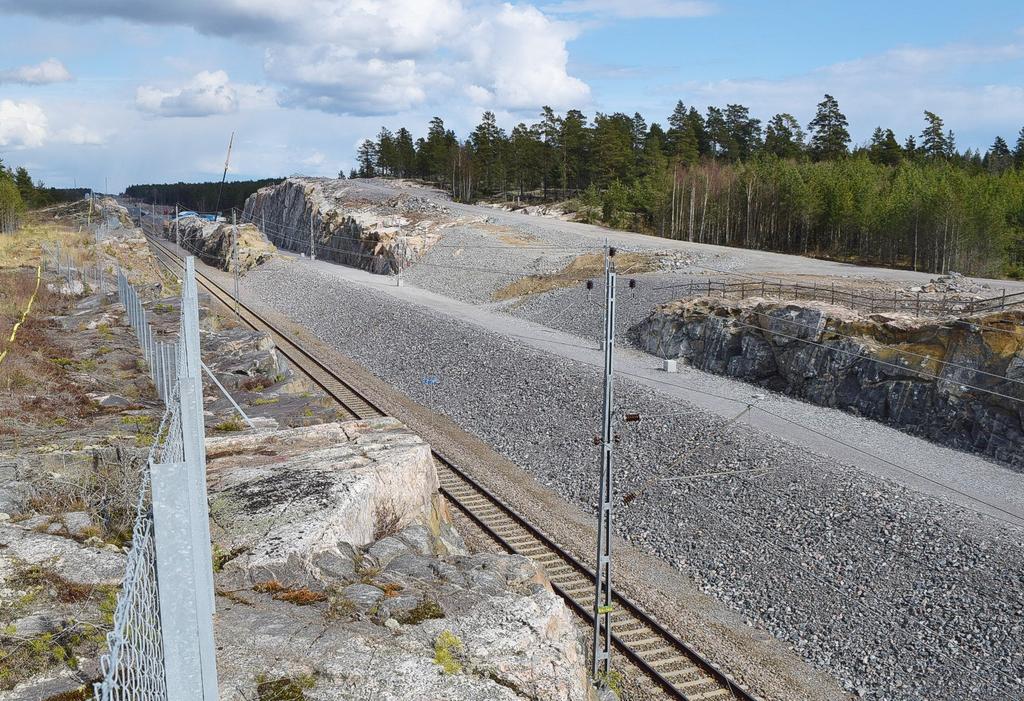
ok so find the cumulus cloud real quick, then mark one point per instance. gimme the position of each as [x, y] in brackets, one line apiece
[208, 92]
[49, 71]
[519, 58]
[22, 124]
[367, 57]
[632, 9]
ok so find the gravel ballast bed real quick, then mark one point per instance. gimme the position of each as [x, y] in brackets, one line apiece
[901, 596]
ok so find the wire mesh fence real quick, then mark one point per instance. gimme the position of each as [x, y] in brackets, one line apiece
[161, 645]
[871, 302]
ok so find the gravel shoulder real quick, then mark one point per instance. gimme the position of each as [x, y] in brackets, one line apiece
[900, 595]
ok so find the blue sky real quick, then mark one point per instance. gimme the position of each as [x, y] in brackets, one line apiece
[140, 91]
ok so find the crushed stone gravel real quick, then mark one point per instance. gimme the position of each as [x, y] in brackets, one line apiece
[901, 596]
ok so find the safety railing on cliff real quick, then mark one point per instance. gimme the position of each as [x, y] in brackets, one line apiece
[161, 647]
[917, 304]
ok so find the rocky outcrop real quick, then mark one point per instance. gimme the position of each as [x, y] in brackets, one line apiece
[212, 243]
[382, 236]
[338, 481]
[956, 381]
[347, 579]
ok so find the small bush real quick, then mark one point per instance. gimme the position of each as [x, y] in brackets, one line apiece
[386, 520]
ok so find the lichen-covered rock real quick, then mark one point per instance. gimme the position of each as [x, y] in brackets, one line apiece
[950, 380]
[504, 635]
[381, 237]
[300, 492]
[81, 564]
[214, 242]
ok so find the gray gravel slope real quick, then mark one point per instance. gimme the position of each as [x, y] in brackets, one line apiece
[901, 596]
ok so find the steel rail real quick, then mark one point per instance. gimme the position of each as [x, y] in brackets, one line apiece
[672, 664]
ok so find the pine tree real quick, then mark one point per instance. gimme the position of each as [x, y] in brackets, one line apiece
[639, 132]
[405, 153]
[744, 132]
[933, 139]
[487, 142]
[829, 136]
[366, 156]
[884, 148]
[783, 136]
[718, 133]
[677, 123]
[1018, 151]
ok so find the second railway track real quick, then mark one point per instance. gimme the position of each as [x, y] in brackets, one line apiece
[666, 660]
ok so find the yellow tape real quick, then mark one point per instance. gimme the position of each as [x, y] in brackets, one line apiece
[24, 314]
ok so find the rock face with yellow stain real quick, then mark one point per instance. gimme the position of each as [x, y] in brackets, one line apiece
[346, 223]
[956, 381]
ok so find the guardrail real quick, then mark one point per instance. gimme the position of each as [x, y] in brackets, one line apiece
[161, 647]
[872, 303]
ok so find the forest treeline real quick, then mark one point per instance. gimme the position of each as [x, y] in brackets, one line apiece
[200, 197]
[724, 177]
[19, 192]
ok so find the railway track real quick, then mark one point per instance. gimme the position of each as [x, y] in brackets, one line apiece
[679, 670]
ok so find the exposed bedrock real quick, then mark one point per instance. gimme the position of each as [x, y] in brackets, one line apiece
[347, 578]
[213, 243]
[956, 381]
[379, 236]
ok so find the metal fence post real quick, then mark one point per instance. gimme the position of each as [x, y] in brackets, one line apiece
[183, 530]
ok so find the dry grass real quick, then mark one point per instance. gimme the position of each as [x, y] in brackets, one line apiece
[24, 247]
[386, 520]
[579, 269]
[300, 596]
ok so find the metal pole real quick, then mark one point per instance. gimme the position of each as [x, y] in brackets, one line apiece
[177, 235]
[234, 255]
[602, 648]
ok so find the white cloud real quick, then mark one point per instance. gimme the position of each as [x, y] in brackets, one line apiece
[22, 124]
[49, 71]
[519, 56]
[632, 9]
[207, 93]
[336, 79]
[366, 57]
[80, 135]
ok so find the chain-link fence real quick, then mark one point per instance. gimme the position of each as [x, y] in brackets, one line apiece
[161, 646]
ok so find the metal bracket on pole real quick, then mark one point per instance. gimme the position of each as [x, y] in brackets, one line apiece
[602, 636]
